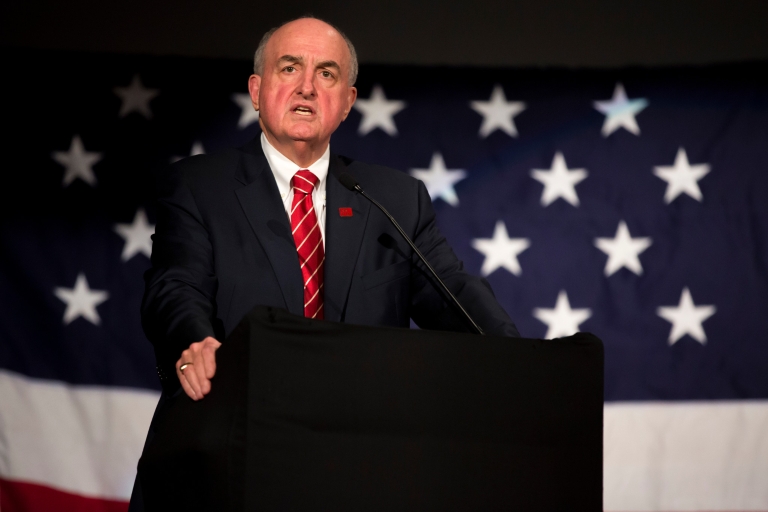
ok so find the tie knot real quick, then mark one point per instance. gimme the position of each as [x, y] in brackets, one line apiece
[304, 181]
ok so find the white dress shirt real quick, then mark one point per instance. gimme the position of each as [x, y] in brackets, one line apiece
[283, 169]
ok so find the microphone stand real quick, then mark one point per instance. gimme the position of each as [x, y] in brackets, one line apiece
[351, 184]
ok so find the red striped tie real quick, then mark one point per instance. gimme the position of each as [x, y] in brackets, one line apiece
[309, 242]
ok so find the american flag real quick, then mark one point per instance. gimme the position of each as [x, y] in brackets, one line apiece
[631, 203]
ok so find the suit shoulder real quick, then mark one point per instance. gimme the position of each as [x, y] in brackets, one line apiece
[202, 169]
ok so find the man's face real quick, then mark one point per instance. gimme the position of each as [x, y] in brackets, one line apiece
[304, 93]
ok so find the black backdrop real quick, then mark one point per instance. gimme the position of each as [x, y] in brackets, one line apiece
[455, 32]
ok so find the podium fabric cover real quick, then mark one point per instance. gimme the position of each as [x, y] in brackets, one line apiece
[308, 415]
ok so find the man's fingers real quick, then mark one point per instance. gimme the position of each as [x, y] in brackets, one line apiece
[183, 380]
[209, 358]
[200, 359]
[202, 380]
[191, 376]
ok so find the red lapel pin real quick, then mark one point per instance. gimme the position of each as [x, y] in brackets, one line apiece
[345, 212]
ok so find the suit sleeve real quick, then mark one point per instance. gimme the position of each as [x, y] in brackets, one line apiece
[178, 307]
[430, 309]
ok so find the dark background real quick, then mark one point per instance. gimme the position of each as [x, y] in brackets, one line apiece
[480, 32]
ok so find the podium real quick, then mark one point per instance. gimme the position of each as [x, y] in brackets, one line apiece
[312, 415]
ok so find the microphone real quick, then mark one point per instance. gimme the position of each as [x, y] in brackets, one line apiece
[352, 185]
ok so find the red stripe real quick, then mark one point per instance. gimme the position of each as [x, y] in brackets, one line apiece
[26, 497]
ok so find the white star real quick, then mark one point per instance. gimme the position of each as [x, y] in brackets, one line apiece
[559, 181]
[78, 162]
[620, 112]
[81, 301]
[562, 320]
[197, 149]
[136, 98]
[248, 114]
[623, 250]
[137, 236]
[686, 318]
[682, 177]
[439, 180]
[501, 251]
[498, 113]
[377, 112]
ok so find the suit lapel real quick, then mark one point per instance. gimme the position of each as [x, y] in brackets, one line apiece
[261, 203]
[343, 239]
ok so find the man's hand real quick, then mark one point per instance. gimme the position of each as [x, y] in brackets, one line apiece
[200, 367]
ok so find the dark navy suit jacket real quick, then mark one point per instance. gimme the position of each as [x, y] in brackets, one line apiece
[223, 244]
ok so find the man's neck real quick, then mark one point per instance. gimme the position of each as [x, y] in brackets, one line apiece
[302, 153]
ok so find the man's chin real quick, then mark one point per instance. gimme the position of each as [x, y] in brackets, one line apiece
[303, 135]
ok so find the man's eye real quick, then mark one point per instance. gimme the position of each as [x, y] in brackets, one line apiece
[290, 69]
[327, 74]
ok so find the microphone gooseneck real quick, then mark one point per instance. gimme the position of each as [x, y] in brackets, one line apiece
[351, 184]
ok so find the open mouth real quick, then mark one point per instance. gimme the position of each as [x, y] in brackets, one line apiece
[303, 111]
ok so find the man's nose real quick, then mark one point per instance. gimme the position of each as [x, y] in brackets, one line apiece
[306, 86]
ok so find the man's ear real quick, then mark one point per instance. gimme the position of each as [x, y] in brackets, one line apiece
[254, 85]
[351, 97]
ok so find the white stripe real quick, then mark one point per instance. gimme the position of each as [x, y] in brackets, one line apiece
[294, 207]
[302, 220]
[319, 243]
[315, 272]
[318, 310]
[82, 439]
[305, 179]
[662, 456]
[297, 187]
[307, 237]
[311, 299]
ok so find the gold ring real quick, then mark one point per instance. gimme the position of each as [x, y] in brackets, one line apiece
[184, 366]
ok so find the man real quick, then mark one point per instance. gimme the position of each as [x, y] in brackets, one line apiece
[270, 224]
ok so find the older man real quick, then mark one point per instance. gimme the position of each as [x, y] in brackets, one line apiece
[270, 224]
[267, 224]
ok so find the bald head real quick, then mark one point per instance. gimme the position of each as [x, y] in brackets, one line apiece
[301, 87]
[301, 26]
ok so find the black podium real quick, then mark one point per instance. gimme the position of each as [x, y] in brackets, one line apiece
[307, 415]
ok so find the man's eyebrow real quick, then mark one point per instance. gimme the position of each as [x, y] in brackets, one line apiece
[290, 58]
[329, 64]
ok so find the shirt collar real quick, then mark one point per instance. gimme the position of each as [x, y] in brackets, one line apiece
[284, 169]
